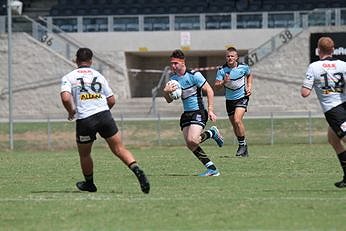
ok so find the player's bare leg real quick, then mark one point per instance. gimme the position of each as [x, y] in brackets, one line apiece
[335, 141]
[339, 148]
[118, 149]
[239, 130]
[127, 158]
[192, 136]
[86, 164]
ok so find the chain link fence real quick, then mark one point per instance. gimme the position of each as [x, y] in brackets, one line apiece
[273, 128]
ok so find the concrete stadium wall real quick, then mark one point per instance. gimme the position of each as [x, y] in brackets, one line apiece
[35, 78]
[279, 77]
[37, 72]
[150, 50]
[210, 40]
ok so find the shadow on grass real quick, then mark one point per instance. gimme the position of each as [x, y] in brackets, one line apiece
[57, 191]
[300, 190]
[176, 174]
[74, 191]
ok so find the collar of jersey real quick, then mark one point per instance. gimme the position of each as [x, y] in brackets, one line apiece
[329, 58]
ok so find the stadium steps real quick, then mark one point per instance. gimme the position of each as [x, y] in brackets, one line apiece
[61, 43]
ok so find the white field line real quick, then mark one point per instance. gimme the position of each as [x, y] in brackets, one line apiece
[98, 197]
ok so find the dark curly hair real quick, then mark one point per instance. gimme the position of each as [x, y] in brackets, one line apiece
[177, 54]
[84, 54]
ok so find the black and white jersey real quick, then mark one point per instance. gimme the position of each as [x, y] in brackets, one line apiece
[327, 77]
[89, 89]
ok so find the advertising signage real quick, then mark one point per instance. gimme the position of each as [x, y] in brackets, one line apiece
[339, 44]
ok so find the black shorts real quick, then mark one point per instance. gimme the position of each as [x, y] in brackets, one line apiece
[231, 105]
[102, 123]
[199, 117]
[336, 118]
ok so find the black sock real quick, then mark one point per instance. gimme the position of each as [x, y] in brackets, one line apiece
[200, 154]
[135, 168]
[342, 160]
[132, 165]
[206, 135]
[241, 140]
[89, 178]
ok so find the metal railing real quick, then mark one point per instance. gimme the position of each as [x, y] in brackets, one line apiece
[163, 79]
[318, 17]
[203, 21]
[59, 43]
[58, 40]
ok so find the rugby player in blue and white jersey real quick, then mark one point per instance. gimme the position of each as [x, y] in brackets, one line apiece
[327, 77]
[195, 116]
[86, 95]
[236, 79]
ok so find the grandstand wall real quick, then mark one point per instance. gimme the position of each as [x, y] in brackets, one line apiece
[211, 40]
[37, 71]
[150, 50]
[278, 78]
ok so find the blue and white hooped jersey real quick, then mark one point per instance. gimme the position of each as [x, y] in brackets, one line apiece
[327, 77]
[191, 84]
[236, 87]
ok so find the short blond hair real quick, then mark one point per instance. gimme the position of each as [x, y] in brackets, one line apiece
[326, 45]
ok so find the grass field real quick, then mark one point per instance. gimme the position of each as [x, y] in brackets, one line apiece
[279, 187]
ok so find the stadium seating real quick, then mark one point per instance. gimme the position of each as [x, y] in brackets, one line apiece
[3, 4]
[136, 7]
